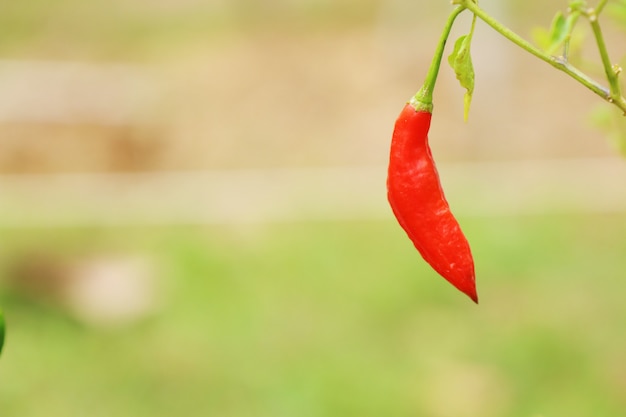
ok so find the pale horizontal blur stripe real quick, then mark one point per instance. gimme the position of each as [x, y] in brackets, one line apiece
[302, 194]
[42, 91]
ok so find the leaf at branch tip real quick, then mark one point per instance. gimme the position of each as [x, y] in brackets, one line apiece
[560, 30]
[461, 62]
[577, 4]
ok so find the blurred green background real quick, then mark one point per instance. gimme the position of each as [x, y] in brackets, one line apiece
[193, 217]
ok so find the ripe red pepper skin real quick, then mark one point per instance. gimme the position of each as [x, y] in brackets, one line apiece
[417, 200]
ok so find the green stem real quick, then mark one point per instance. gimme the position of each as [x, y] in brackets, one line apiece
[611, 73]
[558, 63]
[423, 99]
[600, 6]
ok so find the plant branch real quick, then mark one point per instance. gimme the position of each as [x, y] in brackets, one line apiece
[600, 6]
[611, 72]
[558, 63]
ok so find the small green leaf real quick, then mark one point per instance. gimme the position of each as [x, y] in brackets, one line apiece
[559, 33]
[577, 4]
[558, 27]
[461, 62]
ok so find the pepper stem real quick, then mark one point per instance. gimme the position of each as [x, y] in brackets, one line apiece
[423, 99]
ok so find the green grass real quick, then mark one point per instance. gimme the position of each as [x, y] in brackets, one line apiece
[336, 319]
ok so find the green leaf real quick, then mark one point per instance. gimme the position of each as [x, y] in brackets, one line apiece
[461, 62]
[559, 33]
[577, 4]
[558, 28]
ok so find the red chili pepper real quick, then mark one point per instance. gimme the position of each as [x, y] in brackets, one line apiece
[417, 200]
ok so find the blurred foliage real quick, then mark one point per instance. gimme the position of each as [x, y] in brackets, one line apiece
[611, 123]
[337, 319]
[616, 9]
[132, 29]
